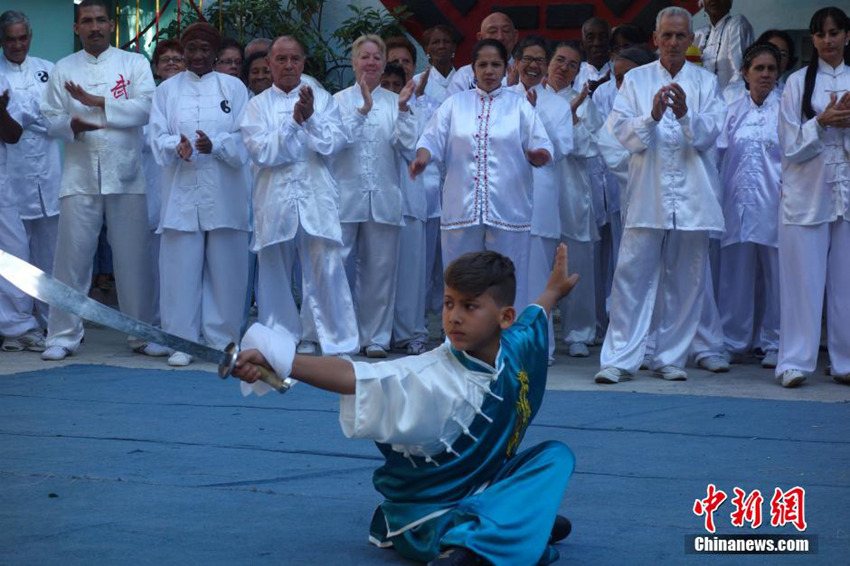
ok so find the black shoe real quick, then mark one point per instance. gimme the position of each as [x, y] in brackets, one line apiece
[456, 556]
[561, 529]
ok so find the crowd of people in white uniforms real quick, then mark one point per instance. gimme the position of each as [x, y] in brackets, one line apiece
[704, 204]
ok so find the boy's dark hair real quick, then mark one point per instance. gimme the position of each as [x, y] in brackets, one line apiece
[476, 273]
[395, 69]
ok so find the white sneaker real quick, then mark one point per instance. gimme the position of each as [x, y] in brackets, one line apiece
[305, 347]
[179, 360]
[152, 350]
[714, 364]
[55, 353]
[671, 373]
[415, 347]
[792, 378]
[771, 358]
[375, 351]
[32, 341]
[578, 350]
[612, 375]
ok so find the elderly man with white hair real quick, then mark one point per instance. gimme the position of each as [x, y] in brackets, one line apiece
[668, 115]
[498, 26]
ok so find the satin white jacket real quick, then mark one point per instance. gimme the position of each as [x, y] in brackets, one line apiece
[367, 168]
[815, 160]
[432, 179]
[723, 47]
[114, 153]
[209, 191]
[293, 185]
[38, 169]
[480, 139]
[673, 178]
[24, 111]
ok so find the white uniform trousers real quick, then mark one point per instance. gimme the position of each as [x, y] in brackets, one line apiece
[739, 296]
[80, 220]
[709, 340]
[154, 244]
[578, 309]
[605, 255]
[374, 265]
[203, 281]
[16, 307]
[658, 286]
[541, 257]
[813, 259]
[42, 233]
[411, 286]
[326, 297]
[513, 245]
[433, 266]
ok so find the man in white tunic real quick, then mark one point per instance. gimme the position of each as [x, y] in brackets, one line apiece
[35, 177]
[723, 41]
[97, 101]
[380, 125]
[496, 26]
[668, 115]
[19, 329]
[596, 43]
[290, 131]
[205, 222]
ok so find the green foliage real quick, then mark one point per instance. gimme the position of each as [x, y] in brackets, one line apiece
[329, 57]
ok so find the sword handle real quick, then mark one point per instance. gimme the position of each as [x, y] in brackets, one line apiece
[272, 379]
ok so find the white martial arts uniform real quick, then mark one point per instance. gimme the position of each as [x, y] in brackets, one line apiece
[35, 177]
[370, 204]
[296, 215]
[751, 175]
[672, 204]
[413, 267]
[723, 47]
[153, 192]
[579, 228]
[16, 307]
[205, 217]
[436, 90]
[101, 175]
[588, 72]
[480, 139]
[557, 118]
[814, 228]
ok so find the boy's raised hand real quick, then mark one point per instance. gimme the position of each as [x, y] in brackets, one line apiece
[560, 281]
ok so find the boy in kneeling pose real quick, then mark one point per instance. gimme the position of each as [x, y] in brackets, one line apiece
[449, 422]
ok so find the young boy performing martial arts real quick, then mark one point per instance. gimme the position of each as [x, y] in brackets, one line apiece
[449, 422]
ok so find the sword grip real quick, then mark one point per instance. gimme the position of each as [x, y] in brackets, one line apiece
[272, 379]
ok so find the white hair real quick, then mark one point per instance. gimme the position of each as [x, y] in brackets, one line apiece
[12, 17]
[674, 11]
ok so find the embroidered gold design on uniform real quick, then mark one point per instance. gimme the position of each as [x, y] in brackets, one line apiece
[523, 411]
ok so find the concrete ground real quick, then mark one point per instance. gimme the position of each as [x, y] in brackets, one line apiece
[113, 458]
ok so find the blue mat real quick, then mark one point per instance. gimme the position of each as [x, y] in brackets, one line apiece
[104, 465]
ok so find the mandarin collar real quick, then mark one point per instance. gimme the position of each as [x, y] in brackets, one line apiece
[492, 94]
[771, 97]
[105, 56]
[827, 69]
[294, 92]
[720, 21]
[15, 66]
[191, 75]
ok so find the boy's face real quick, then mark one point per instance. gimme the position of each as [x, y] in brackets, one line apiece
[392, 82]
[474, 323]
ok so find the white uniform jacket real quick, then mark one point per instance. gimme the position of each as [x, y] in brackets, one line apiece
[673, 178]
[557, 118]
[38, 170]
[113, 153]
[723, 47]
[815, 160]
[209, 191]
[750, 169]
[481, 139]
[293, 185]
[367, 169]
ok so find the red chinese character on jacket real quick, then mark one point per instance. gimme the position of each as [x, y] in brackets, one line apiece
[747, 509]
[120, 88]
[709, 505]
[789, 507]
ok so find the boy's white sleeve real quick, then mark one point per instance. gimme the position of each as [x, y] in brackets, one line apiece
[278, 347]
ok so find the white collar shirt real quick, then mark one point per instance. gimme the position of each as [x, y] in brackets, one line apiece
[723, 46]
[209, 191]
[750, 171]
[38, 171]
[673, 178]
[293, 185]
[367, 168]
[815, 160]
[108, 160]
[480, 139]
